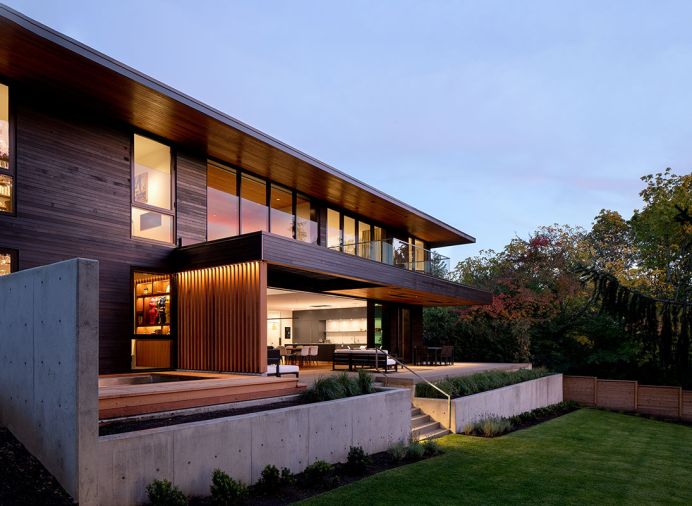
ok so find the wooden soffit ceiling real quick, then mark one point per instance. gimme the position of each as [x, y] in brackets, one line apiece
[60, 67]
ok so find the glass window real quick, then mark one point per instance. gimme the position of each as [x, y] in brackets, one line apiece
[152, 183]
[333, 229]
[281, 213]
[364, 240]
[152, 173]
[222, 202]
[307, 224]
[6, 175]
[253, 205]
[7, 262]
[6, 189]
[349, 235]
[377, 243]
[152, 225]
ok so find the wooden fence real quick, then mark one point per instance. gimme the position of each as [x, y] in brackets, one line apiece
[667, 402]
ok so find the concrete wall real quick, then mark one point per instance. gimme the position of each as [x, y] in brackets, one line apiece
[507, 401]
[243, 445]
[48, 368]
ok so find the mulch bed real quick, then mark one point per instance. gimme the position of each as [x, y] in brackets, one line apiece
[338, 477]
[24, 480]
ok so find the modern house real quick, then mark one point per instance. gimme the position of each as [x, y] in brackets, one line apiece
[214, 239]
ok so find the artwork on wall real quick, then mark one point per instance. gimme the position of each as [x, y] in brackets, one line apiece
[142, 187]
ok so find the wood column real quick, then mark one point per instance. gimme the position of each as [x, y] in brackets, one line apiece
[222, 318]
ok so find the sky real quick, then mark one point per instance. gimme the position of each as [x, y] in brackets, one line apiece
[495, 117]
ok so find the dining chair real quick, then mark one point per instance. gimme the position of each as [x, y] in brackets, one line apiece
[313, 354]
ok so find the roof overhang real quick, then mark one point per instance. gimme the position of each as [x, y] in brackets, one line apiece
[297, 265]
[58, 67]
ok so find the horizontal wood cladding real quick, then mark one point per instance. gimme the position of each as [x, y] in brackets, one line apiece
[73, 200]
[191, 196]
[71, 73]
[373, 280]
[222, 317]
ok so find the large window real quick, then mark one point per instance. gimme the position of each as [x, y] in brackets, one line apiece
[349, 235]
[253, 204]
[281, 217]
[307, 224]
[222, 202]
[8, 261]
[152, 191]
[333, 229]
[6, 166]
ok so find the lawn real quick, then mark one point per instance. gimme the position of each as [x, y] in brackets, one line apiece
[585, 457]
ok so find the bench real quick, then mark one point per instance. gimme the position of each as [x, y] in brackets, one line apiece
[370, 359]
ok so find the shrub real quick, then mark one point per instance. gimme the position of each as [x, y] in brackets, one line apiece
[164, 493]
[431, 448]
[324, 389]
[469, 428]
[415, 451]
[270, 480]
[495, 426]
[287, 477]
[480, 382]
[225, 490]
[398, 452]
[365, 382]
[350, 385]
[357, 460]
[316, 473]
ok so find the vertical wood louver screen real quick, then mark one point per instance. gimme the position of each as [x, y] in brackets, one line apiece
[222, 318]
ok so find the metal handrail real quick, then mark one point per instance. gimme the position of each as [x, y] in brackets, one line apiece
[449, 397]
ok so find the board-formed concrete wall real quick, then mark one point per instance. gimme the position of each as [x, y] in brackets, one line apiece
[243, 445]
[48, 368]
[506, 401]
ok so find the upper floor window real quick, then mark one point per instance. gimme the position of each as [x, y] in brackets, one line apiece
[6, 169]
[222, 202]
[152, 190]
[333, 229]
[281, 214]
[253, 205]
[307, 222]
[8, 261]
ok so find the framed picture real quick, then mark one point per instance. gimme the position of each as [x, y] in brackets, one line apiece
[141, 187]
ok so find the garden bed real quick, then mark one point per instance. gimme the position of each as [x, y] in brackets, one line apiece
[461, 386]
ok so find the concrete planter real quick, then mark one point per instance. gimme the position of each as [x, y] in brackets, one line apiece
[243, 445]
[506, 401]
[49, 400]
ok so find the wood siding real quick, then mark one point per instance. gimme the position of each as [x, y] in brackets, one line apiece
[155, 353]
[73, 200]
[222, 318]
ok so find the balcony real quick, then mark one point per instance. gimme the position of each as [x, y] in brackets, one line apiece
[400, 254]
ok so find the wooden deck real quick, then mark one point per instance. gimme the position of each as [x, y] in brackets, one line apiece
[116, 400]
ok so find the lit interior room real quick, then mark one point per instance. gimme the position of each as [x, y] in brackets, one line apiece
[301, 319]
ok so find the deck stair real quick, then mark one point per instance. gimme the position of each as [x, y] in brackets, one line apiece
[423, 427]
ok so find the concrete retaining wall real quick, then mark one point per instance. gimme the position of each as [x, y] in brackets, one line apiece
[243, 445]
[49, 401]
[507, 401]
[48, 368]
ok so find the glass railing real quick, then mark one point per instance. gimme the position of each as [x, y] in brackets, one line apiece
[400, 254]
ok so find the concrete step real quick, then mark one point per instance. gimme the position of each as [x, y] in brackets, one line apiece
[415, 412]
[420, 420]
[424, 429]
[433, 434]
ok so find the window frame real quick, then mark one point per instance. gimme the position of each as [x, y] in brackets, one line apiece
[172, 212]
[12, 170]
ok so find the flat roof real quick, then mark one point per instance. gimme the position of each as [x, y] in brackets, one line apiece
[55, 65]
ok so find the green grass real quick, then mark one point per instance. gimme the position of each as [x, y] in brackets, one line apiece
[585, 457]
